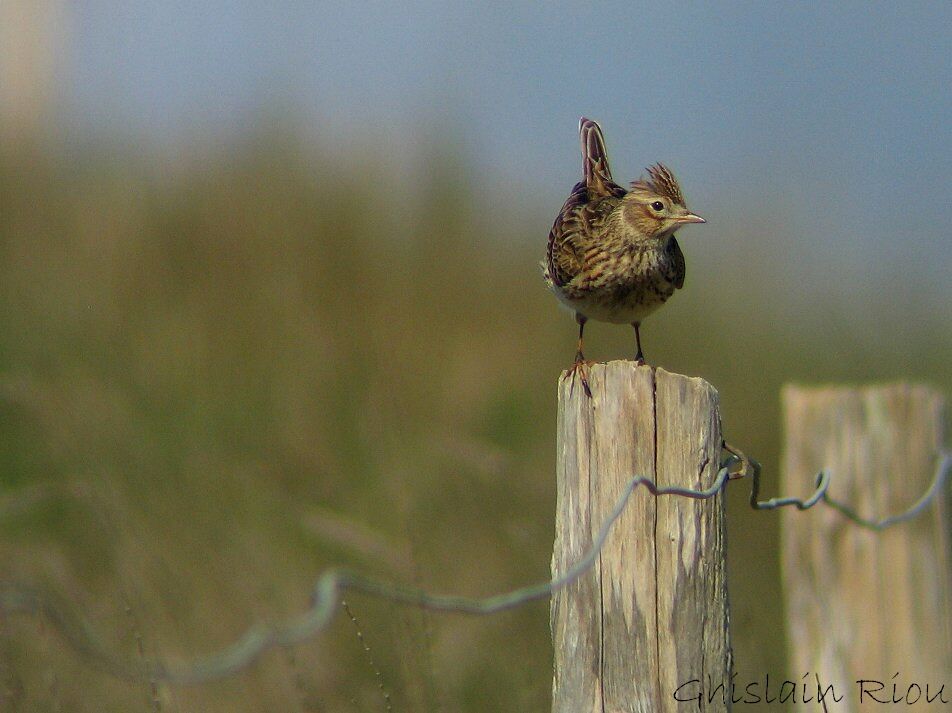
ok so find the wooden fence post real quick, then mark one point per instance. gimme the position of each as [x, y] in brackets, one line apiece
[865, 605]
[652, 614]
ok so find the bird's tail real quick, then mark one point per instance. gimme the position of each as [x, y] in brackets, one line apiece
[598, 175]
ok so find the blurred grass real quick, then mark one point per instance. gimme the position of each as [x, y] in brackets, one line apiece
[201, 359]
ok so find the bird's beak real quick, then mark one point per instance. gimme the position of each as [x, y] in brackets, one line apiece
[689, 218]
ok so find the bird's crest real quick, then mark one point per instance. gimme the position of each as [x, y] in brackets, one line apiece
[661, 182]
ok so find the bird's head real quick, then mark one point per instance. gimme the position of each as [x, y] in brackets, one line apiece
[655, 207]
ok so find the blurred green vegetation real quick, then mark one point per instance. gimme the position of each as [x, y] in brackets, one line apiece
[224, 372]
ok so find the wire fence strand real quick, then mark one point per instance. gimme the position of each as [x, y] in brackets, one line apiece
[325, 596]
[333, 583]
[751, 468]
[939, 479]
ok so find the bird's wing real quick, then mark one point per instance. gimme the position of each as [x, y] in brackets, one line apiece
[677, 270]
[574, 233]
[563, 258]
[597, 173]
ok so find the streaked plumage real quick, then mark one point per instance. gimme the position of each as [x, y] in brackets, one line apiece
[612, 255]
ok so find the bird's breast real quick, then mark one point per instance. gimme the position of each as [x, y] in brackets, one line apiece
[621, 285]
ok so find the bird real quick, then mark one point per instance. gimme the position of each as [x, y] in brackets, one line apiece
[611, 254]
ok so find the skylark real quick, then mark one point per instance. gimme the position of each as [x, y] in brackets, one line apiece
[612, 255]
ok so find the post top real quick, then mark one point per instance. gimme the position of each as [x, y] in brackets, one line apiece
[613, 374]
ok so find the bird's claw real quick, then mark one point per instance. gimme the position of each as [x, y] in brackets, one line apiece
[580, 368]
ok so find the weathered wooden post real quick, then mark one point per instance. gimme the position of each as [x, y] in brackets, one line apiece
[651, 618]
[865, 605]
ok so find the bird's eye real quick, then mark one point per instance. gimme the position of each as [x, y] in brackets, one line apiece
[658, 206]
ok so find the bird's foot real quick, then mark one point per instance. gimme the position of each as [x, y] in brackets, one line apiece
[580, 368]
[640, 359]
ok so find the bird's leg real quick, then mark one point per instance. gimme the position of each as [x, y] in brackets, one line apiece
[580, 365]
[579, 357]
[640, 356]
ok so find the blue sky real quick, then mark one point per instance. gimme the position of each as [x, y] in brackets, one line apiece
[833, 117]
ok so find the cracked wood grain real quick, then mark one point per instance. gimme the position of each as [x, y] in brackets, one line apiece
[653, 613]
